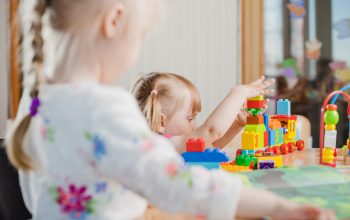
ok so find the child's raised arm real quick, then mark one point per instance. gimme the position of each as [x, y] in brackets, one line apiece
[223, 117]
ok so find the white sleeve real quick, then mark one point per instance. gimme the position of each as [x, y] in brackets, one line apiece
[147, 164]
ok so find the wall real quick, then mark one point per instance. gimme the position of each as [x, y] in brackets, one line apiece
[3, 66]
[199, 39]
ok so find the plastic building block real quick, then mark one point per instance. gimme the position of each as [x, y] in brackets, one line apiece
[232, 167]
[250, 140]
[274, 124]
[291, 133]
[255, 103]
[258, 137]
[266, 138]
[246, 160]
[330, 139]
[247, 152]
[285, 117]
[206, 156]
[266, 120]
[276, 137]
[193, 145]
[208, 165]
[255, 120]
[267, 164]
[257, 98]
[276, 158]
[283, 107]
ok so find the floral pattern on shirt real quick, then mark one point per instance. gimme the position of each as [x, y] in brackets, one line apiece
[75, 201]
[99, 148]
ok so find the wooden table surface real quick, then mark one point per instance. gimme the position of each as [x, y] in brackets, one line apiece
[306, 157]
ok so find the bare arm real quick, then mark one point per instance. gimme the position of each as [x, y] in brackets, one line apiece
[235, 128]
[266, 203]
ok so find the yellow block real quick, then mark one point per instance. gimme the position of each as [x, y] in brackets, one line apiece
[257, 98]
[250, 140]
[292, 131]
[277, 159]
[233, 167]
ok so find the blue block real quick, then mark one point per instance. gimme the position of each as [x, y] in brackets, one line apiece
[208, 165]
[246, 152]
[207, 156]
[266, 121]
[283, 107]
[272, 137]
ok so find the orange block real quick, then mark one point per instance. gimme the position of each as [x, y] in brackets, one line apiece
[255, 120]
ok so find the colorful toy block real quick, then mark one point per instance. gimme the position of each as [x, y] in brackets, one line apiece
[330, 138]
[250, 140]
[291, 133]
[253, 137]
[232, 167]
[283, 107]
[255, 104]
[267, 164]
[257, 98]
[276, 158]
[247, 152]
[193, 145]
[207, 156]
[255, 120]
[246, 160]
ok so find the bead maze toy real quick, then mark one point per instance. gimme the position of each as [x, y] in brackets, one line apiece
[328, 133]
[264, 139]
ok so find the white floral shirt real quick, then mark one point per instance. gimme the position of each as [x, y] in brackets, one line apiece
[97, 159]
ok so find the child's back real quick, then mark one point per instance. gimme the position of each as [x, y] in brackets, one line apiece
[77, 125]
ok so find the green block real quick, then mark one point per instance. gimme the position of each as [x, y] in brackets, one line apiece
[244, 160]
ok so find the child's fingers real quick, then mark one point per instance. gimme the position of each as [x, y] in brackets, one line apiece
[266, 91]
[268, 82]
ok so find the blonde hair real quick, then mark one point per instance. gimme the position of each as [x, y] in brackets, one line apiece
[65, 26]
[158, 93]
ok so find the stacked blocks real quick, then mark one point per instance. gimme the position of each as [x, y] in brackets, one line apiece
[283, 107]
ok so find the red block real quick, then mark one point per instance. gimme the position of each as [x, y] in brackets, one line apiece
[255, 104]
[193, 145]
[266, 139]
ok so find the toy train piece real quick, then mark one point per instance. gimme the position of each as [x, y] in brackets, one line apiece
[270, 134]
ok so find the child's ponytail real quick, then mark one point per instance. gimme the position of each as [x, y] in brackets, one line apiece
[15, 151]
[152, 111]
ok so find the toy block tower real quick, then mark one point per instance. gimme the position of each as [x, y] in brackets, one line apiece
[255, 105]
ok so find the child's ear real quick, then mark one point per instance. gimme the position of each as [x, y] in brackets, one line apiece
[112, 21]
[162, 122]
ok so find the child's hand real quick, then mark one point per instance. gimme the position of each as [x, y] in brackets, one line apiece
[307, 212]
[258, 87]
[243, 114]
